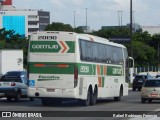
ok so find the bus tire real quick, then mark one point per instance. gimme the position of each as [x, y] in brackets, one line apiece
[133, 89]
[150, 101]
[88, 100]
[17, 97]
[56, 101]
[44, 101]
[143, 100]
[31, 99]
[120, 96]
[139, 89]
[94, 96]
[9, 98]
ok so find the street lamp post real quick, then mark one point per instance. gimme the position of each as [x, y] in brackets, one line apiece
[74, 19]
[131, 31]
[158, 52]
[120, 17]
[86, 19]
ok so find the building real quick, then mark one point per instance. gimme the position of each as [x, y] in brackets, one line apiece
[122, 38]
[151, 29]
[22, 21]
[136, 27]
[86, 29]
[112, 27]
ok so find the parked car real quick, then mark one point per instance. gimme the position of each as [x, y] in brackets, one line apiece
[14, 85]
[139, 80]
[157, 76]
[150, 90]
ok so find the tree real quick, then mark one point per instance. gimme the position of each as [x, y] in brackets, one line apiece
[144, 54]
[56, 26]
[155, 41]
[78, 30]
[113, 32]
[144, 37]
[10, 40]
[59, 27]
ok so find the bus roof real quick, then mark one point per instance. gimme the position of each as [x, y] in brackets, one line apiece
[100, 40]
[88, 36]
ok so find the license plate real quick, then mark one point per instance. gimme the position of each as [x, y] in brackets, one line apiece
[6, 84]
[140, 80]
[154, 95]
[50, 90]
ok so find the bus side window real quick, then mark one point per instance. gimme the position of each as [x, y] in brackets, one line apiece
[82, 50]
[100, 52]
[95, 53]
[111, 54]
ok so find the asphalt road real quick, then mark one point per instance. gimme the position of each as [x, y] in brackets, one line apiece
[104, 109]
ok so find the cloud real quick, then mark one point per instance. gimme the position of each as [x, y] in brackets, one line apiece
[57, 4]
[100, 12]
[67, 4]
[75, 2]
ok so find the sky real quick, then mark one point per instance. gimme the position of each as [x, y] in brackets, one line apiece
[99, 12]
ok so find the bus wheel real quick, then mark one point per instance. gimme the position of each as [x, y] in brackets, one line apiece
[87, 101]
[149, 101]
[44, 101]
[133, 89]
[143, 100]
[119, 97]
[94, 97]
[9, 98]
[57, 101]
[17, 97]
[31, 99]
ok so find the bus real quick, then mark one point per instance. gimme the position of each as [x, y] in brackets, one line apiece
[67, 65]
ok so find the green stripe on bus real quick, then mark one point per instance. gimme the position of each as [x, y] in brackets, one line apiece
[71, 45]
[83, 69]
[52, 46]
[50, 68]
[114, 71]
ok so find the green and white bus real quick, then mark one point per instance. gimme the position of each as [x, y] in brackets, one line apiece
[67, 65]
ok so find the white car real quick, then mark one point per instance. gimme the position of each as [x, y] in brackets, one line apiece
[14, 85]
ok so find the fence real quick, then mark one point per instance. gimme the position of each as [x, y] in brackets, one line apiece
[146, 69]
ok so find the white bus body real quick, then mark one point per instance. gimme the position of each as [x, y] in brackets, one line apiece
[66, 65]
